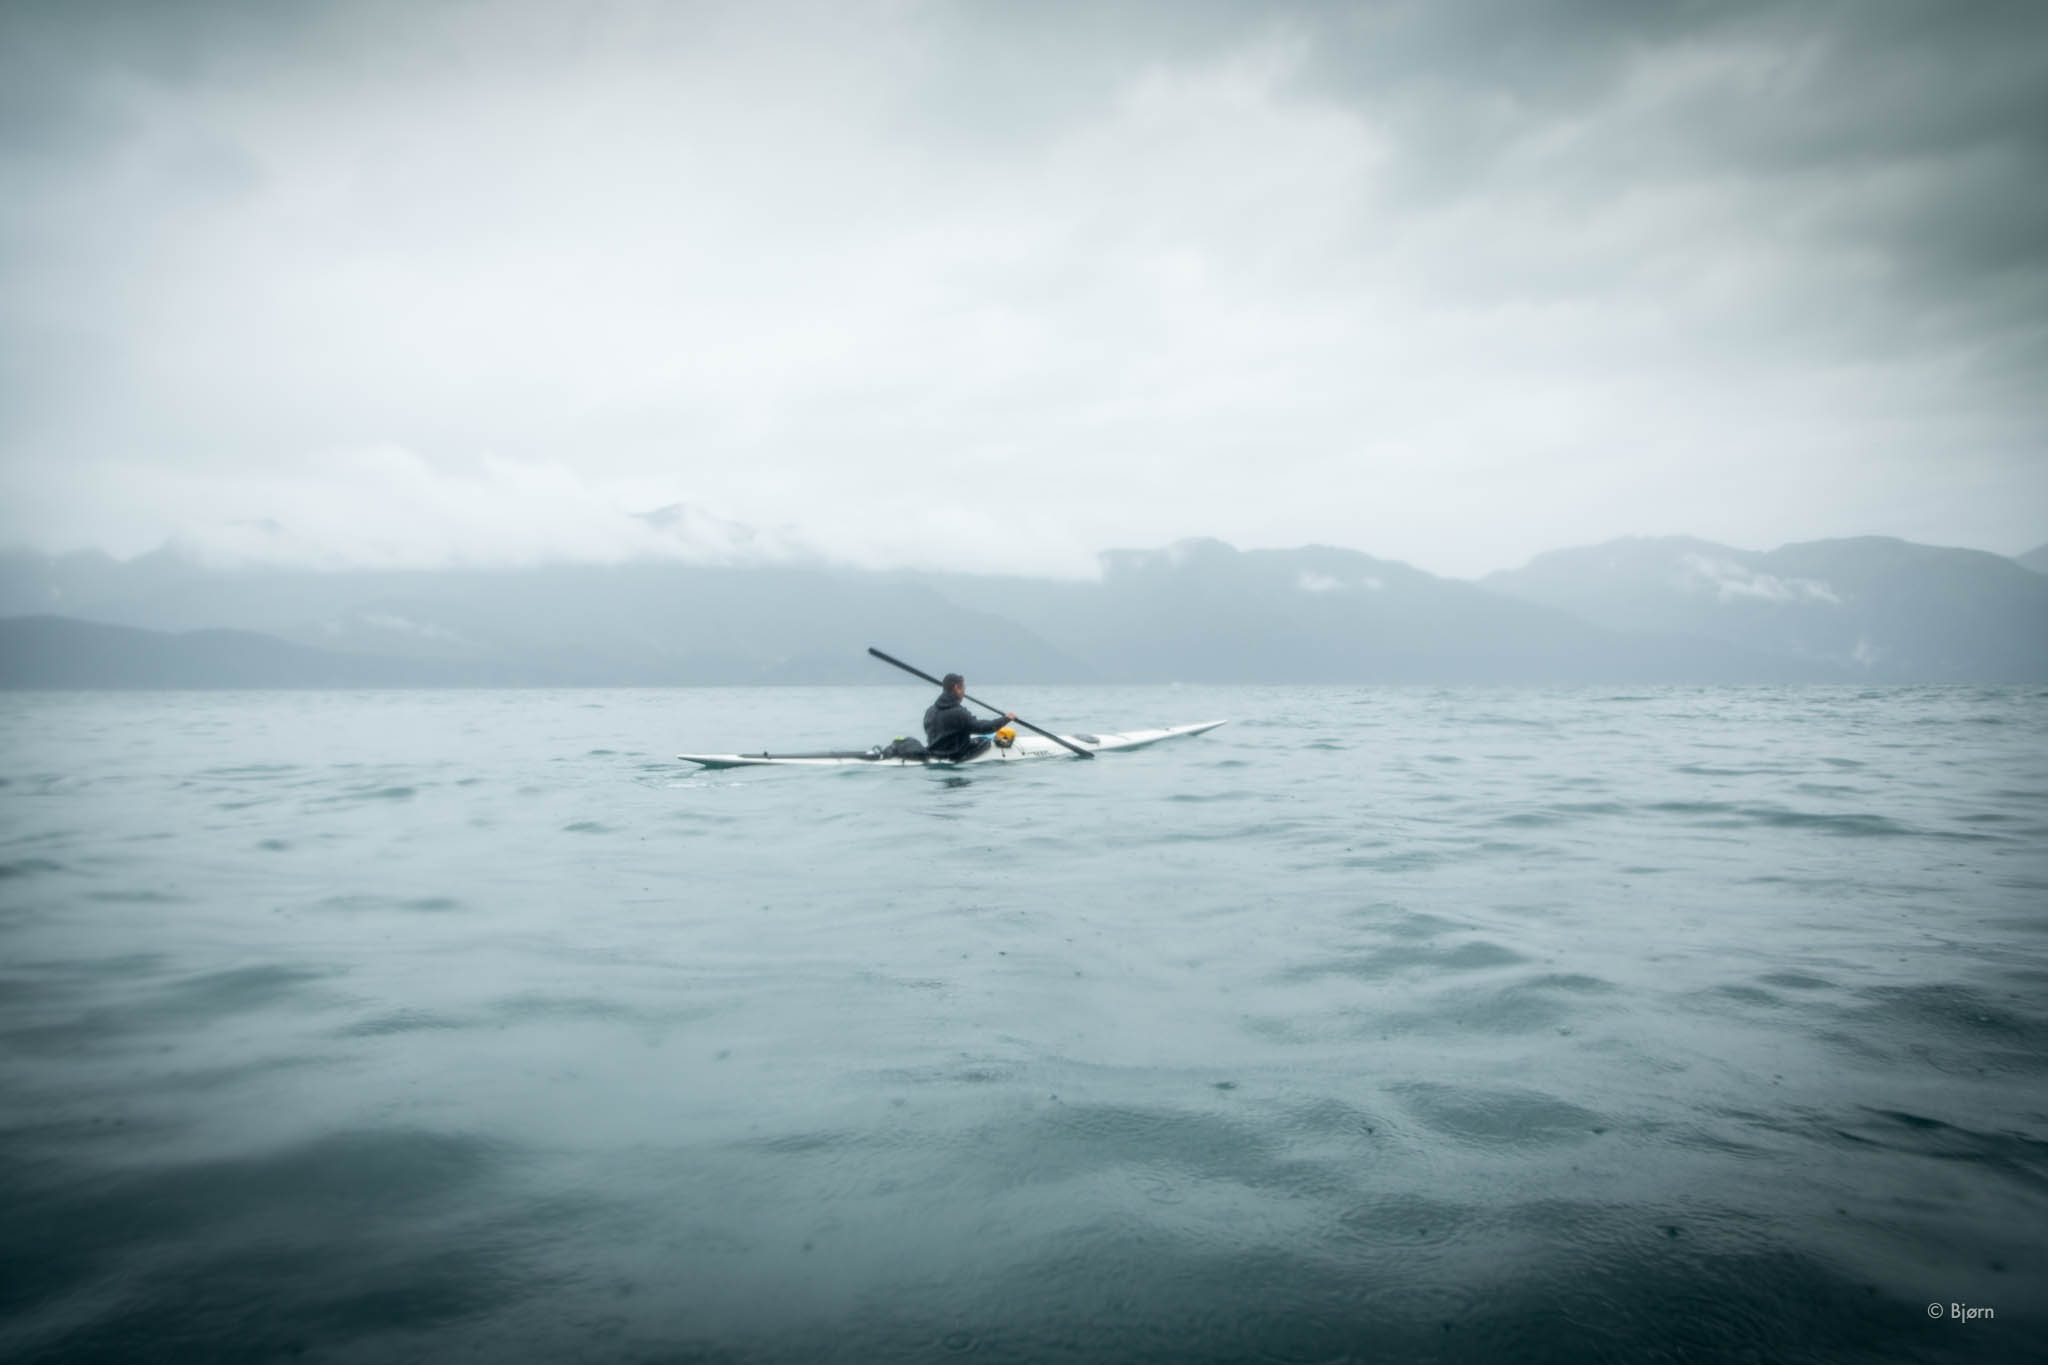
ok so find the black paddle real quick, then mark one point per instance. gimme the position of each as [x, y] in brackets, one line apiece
[978, 702]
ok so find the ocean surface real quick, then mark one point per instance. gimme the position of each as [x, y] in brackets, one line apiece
[1381, 1024]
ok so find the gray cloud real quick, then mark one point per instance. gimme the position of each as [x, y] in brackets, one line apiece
[1003, 285]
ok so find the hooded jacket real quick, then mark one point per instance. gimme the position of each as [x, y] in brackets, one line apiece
[950, 728]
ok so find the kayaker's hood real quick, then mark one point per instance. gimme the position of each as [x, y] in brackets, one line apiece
[947, 701]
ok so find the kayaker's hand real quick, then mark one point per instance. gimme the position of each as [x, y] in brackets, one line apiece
[1009, 716]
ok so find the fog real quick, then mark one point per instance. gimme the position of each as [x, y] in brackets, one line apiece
[998, 288]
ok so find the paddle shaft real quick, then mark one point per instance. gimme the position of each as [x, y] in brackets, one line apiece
[887, 659]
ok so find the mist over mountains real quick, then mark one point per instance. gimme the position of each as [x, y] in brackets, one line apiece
[1671, 610]
[1872, 607]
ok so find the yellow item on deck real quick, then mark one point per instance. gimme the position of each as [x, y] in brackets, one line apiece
[1005, 737]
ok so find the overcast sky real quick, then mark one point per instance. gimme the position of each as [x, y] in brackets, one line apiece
[1003, 285]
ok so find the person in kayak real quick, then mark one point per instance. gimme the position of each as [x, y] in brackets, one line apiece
[951, 730]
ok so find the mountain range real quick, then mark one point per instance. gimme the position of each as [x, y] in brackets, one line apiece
[1669, 610]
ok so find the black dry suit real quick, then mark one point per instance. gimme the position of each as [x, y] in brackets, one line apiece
[950, 728]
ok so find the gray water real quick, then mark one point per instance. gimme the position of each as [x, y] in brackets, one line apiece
[1471, 1025]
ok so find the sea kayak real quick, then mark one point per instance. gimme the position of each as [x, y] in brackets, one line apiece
[1026, 746]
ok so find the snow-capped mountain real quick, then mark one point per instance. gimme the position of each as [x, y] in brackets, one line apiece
[1871, 607]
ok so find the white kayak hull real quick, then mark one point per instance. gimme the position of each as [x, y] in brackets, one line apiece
[1028, 745]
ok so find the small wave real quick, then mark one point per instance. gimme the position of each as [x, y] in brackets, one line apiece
[355, 902]
[1527, 819]
[1333, 1118]
[534, 1006]
[1796, 981]
[1537, 1005]
[1422, 924]
[802, 1144]
[1408, 860]
[1748, 995]
[1855, 824]
[1949, 1028]
[2026, 924]
[2014, 1154]
[1500, 1118]
[395, 793]
[1860, 826]
[1063, 1141]
[1405, 1222]
[400, 1021]
[239, 990]
[1479, 955]
[218, 1217]
[1576, 982]
[982, 1075]
[1520, 849]
[1957, 1010]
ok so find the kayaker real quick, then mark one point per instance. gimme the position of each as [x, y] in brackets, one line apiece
[950, 729]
